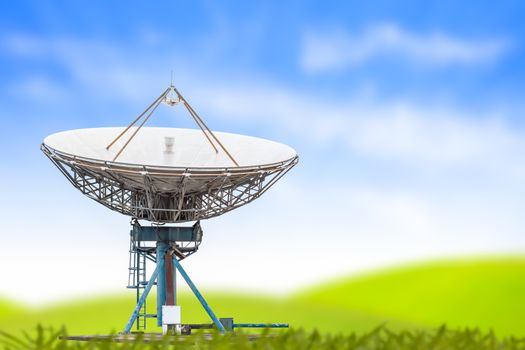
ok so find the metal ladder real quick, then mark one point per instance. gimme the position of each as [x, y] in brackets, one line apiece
[137, 279]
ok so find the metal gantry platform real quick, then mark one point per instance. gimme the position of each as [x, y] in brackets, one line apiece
[166, 246]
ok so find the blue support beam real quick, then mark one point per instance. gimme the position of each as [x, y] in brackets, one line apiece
[142, 299]
[199, 296]
[260, 325]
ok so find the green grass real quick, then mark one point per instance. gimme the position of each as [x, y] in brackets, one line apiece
[378, 339]
[484, 293]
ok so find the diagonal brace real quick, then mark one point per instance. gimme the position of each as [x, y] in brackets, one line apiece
[199, 296]
[142, 299]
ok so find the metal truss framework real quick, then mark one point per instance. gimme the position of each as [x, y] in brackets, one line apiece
[167, 194]
[143, 248]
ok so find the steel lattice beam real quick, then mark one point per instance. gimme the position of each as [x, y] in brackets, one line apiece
[191, 195]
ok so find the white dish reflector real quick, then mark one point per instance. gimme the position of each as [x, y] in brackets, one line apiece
[168, 174]
[169, 147]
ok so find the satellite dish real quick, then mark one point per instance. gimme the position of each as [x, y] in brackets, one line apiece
[168, 175]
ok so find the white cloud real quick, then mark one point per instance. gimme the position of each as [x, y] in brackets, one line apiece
[335, 229]
[315, 226]
[334, 50]
[406, 132]
[23, 45]
[40, 89]
[397, 130]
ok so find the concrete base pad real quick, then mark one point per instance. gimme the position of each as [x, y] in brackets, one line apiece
[146, 337]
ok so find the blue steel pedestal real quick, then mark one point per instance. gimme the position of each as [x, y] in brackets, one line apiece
[172, 244]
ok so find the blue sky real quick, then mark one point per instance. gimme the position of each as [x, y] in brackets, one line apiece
[407, 116]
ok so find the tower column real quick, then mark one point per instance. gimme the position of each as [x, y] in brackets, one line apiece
[162, 247]
[171, 291]
[170, 311]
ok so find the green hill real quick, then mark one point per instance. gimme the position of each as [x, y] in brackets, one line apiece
[103, 315]
[486, 293]
[9, 309]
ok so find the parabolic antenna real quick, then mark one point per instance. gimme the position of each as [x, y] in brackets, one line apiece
[168, 175]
